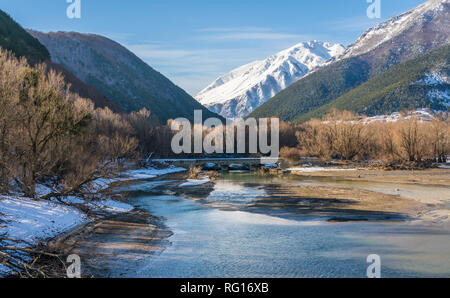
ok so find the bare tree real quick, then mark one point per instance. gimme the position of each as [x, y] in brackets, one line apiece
[50, 135]
[411, 140]
[440, 139]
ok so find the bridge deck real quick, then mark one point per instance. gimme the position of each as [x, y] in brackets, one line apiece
[223, 163]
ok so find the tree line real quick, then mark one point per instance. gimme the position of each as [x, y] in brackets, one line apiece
[344, 135]
[53, 136]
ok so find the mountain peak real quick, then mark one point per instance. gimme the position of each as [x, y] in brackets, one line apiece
[385, 31]
[377, 74]
[239, 92]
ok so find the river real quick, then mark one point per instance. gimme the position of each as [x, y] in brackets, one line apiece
[219, 236]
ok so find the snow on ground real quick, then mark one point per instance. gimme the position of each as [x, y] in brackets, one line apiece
[434, 78]
[152, 173]
[111, 206]
[440, 95]
[423, 115]
[137, 174]
[32, 220]
[38, 220]
[42, 190]
[193, 182]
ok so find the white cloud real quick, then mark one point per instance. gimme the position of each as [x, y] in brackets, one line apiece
[253, 36]
[209, 54]
[194, 69]
[355, 24]
[246, 33]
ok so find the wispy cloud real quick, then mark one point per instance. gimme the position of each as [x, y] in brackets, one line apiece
[233, 29]
[213, 52]
[253, 36]
[355, 24]
[194, 69]
[246, 33]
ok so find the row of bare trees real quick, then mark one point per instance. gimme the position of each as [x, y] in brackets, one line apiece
[343, 135]
[51, 135]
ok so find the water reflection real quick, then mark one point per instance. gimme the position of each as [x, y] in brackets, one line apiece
[220, 242]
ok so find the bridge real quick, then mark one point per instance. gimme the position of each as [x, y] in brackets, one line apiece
[224, 164]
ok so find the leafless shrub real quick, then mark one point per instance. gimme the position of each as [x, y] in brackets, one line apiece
[194, 172]
[291, 154]
[48, 134]
[440, 139]
[262, 171]
[212, 175]
[342, 135]
[315, 141]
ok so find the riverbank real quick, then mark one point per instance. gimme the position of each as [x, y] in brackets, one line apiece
[132, 235]
[424, 194]
[246, 224]
[40, 225]
[331, 195]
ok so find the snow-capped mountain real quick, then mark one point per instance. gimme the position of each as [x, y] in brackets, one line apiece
[409, 24]
[421, 32]
[239, 92]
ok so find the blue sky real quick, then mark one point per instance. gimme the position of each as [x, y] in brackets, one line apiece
[192, 42]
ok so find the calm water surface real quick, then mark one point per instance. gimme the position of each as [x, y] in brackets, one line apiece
[211, 242]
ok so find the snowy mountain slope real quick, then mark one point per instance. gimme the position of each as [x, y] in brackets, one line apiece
[393, 42]
[416, 19]
[239, 92]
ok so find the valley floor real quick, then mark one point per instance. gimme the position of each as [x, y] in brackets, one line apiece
[422, 194]
[335, 194]
[184, 218]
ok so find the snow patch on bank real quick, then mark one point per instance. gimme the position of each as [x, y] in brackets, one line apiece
[137, 174]
[32, 220]
[111, 206]
[39, 220]
[194, 182]
[151, 172]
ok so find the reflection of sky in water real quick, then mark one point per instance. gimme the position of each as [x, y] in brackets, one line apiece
[214, 243]
[232, 193]
[143, 186]
[207, 242]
